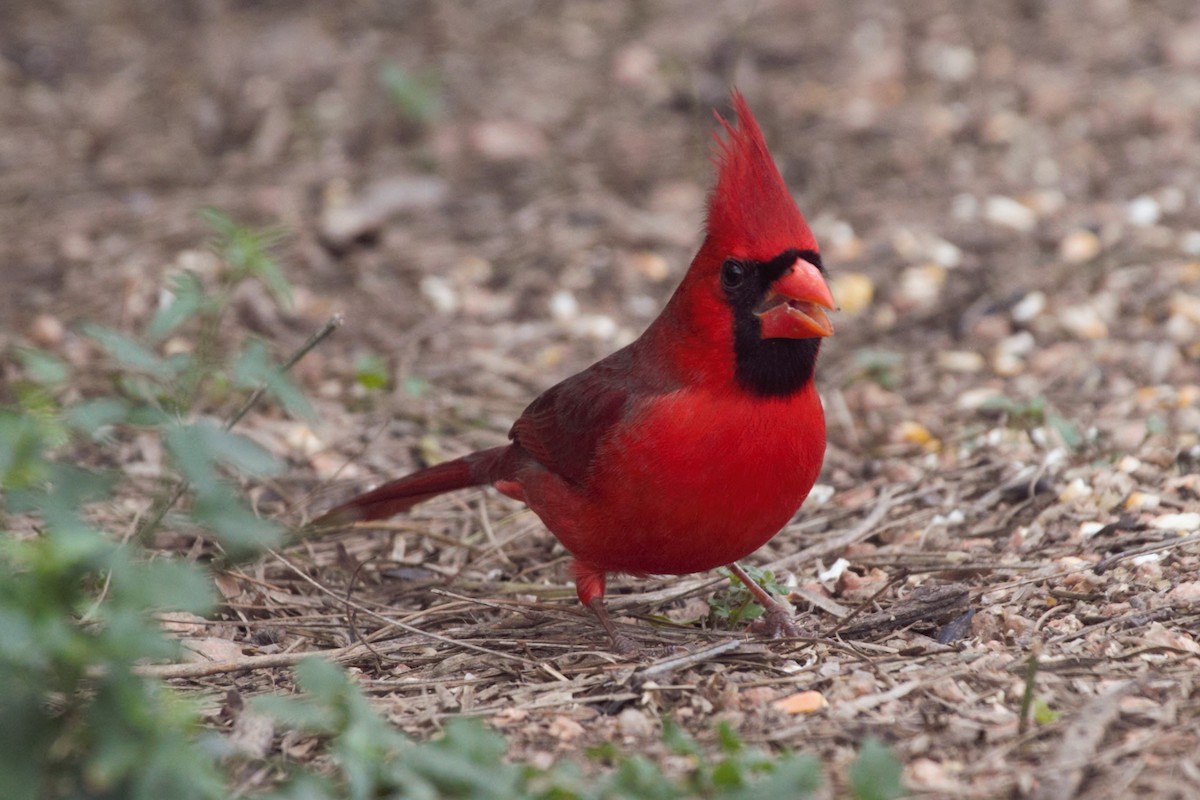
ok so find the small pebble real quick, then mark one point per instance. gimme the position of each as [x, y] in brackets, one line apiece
[965, 361]
[46, 331]
[1007, 365]
[921, 286]
[1139, 501]
[1083, 322]
[1029, 307]
[1079, 246]
[852, 291]
[1009, 213]
[1143, 211]
[1185, 522]
[1189, 242]
[1075, 490]
[564, 306]
[440, 294]
[507, 140]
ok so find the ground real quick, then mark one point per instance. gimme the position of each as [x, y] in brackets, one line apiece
[495, 194]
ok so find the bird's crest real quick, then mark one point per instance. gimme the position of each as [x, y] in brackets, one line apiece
[751, 214]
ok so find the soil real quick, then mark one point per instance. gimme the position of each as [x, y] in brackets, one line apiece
[1007, 196]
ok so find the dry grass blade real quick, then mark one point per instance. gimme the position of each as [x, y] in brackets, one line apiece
[1064, 773]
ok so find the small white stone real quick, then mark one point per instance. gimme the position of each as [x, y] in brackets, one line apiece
[834, 572]
[596, 326]
[1142, 501]
[1005, 211]
[1128, 464]
[1079, 246]
[1083, 322]
[1075, 490]
[1186, 522]
[960, 361]
[921, 285]
[1007, 365]
[440, 293]
[945, 253]
[1020, 343]
[1089, 529]
[563, 306]
[820, 494]
[953, 63]
[1189, 242]
[1029, 307]
[972, 399]
[1143, 211]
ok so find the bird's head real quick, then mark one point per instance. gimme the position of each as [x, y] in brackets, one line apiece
[758, 274]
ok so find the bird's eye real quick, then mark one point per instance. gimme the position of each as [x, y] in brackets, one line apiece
[732, 274]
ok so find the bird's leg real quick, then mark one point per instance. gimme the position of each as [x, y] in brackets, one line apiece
[589, 586]
[777, 622]
[622, 644]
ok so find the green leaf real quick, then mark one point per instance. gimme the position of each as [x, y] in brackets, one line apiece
[21, 443]
[182, 300]
[43, 368]
[247, 254]
[1066, 429]
[254, 369]
[93, 417]
[678, 740]
[131, 354]
[876, 774]
[323, 679]
[165, 584]
[240, 530]
[1043, 714]
[371, 372]
[416, 96]
[198, 448]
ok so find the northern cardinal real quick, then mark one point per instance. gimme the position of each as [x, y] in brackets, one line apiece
[694, 445]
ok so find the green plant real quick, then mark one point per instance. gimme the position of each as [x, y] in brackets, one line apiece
[879, 366]
[1032, 413]
[76, 601]
[414, 95]
[372, 759]
[734, 604]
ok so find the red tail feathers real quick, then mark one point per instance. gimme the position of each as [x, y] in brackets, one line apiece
[402, 494]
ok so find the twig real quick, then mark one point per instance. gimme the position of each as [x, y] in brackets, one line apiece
[686, 660]
[205, 669]
[1031, 670]
[927, 602]
[887, 499]
[1065, 772]
[155, 519]
[395, 622]
[1153, 547]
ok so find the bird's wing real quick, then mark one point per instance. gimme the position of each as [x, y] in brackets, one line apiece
[564, 426]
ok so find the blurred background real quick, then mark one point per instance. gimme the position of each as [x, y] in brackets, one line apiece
[497, 193]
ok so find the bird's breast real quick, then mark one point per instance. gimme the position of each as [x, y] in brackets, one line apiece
[695, 479]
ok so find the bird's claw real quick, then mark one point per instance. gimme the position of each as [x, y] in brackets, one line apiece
[777, 623]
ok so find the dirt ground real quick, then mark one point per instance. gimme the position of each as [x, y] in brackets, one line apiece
[496, 194]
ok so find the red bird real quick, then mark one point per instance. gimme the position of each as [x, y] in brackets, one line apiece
[694, 445]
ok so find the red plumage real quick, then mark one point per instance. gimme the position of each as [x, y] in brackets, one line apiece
[692, 446]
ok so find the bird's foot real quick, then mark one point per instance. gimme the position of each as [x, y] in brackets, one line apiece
[777, 623]
[622, 645]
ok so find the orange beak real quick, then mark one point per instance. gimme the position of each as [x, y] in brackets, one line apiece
[795, 305]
